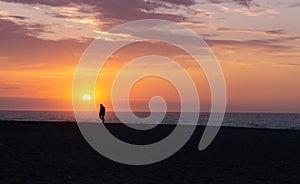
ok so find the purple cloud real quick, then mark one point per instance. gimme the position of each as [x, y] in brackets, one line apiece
[294, 5]
[122, 10]
[246, 3]
[19, 42]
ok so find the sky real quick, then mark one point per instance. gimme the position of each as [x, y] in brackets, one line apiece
[257, 43]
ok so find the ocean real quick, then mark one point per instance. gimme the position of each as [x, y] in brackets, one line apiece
[249, 120]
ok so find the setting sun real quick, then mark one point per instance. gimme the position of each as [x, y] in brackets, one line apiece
[86, 97]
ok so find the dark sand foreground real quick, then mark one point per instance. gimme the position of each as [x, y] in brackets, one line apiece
[49, 153]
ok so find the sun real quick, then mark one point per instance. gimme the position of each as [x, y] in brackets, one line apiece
[87, 97]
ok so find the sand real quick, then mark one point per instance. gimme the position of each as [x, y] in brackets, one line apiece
[41, 152]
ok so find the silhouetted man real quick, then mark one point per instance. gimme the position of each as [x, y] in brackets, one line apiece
[102, 113]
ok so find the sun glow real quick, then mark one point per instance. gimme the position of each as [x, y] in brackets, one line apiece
[86, 97]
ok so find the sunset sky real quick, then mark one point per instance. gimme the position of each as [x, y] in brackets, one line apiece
[257, 43]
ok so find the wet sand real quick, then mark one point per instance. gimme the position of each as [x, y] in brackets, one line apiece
[41, 152]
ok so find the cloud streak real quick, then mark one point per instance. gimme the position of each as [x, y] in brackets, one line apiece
[295, 5]
[20, 46]
[246, 3]
[289, 64]
[278, 32]
[267, 44]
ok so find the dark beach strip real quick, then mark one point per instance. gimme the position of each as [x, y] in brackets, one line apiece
[49, 152]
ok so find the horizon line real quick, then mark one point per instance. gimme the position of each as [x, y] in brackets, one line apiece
[246, 112]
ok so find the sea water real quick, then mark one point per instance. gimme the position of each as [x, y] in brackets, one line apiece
[250, 120]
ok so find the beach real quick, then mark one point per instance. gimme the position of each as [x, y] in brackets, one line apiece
[50, 152]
